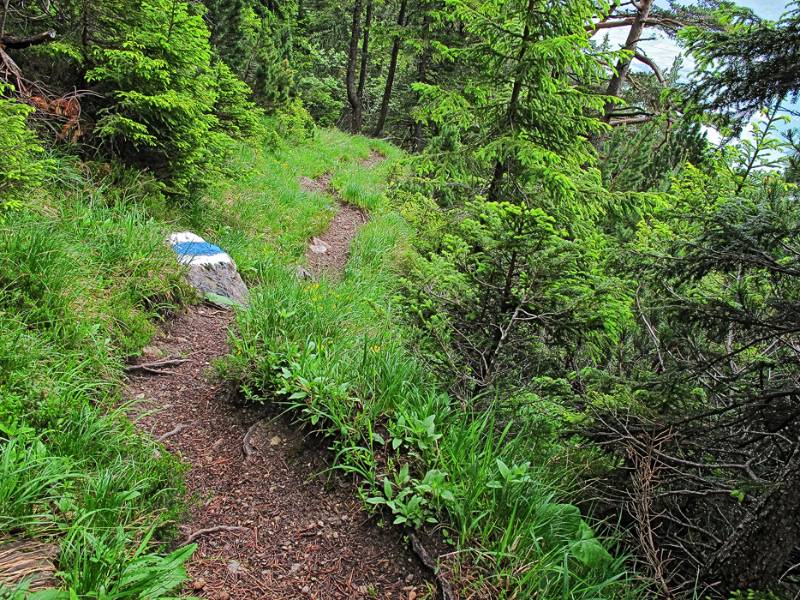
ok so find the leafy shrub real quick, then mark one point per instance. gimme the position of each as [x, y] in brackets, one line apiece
[503, 295]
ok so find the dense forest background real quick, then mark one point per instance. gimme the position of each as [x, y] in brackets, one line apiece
[591, 284]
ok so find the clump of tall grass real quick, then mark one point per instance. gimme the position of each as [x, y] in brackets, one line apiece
[84, 277]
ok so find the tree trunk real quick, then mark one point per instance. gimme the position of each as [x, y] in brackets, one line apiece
[350, 81]
[624, 65]
[362, 76]
[5, 18]
[755, 554]
[387, 90]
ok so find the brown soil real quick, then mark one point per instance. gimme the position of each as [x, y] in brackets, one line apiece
[290, 532]
[268, 524]
[329, 252]
[335, 241]
[320, 185]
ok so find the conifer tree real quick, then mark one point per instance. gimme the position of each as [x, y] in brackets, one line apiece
[162, 91]
[521, 109]
[746, 64]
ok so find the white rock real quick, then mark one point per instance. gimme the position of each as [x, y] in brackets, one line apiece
[317, 246]
[212, 271]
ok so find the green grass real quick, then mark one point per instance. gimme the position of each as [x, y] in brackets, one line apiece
[333, 352]
[261, 212]
[84, 278]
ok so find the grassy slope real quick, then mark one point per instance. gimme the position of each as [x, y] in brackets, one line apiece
[333, 350]
[83, 274]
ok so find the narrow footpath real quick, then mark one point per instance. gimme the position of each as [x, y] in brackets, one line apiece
[270, 520]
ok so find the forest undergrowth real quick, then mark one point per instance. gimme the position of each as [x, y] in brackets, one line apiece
[563, 353]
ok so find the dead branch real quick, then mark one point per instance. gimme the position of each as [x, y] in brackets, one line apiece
[627, 21]
[16, 43]
[641, 506]
[201, 532]
[156, 364]
[171, 432]
[158, 371]
[646, 60]
[632, 121]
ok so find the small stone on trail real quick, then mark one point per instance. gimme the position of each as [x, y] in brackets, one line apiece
[234, 567]
[198, 584]
[306, 589]
[317, 246]
[302, 273]
[274, 440]
[152, 352]
[295, 568]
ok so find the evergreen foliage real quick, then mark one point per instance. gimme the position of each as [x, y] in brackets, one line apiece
[515, 116]
[568, 332]
[748, 64]
[163, 92]
[21, 169]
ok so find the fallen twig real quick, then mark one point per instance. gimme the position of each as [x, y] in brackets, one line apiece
[444, 586]
[152, 366]
[201, 532]
[171, 432]
[159, 371]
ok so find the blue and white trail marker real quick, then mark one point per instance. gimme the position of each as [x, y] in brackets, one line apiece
[211, 270]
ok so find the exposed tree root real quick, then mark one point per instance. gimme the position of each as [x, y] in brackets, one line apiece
[445, 588]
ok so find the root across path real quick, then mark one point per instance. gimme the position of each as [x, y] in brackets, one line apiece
[267, 523]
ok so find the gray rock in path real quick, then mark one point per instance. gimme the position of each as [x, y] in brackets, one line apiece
[212, 271]
[302, 273]
[317, 246]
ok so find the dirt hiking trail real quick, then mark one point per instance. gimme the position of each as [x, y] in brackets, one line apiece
[267, 523]
[329, 252]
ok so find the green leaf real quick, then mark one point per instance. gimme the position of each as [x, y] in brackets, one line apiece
[504, 470]
[387, 488]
